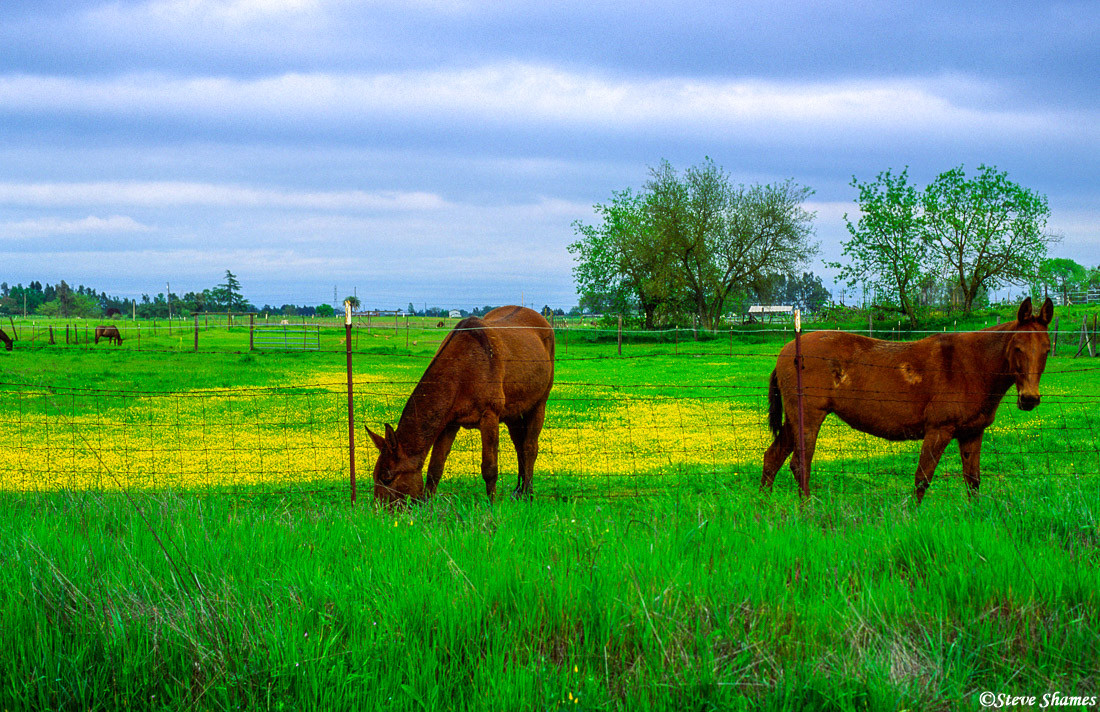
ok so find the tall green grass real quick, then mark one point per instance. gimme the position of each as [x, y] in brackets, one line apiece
[717, 601]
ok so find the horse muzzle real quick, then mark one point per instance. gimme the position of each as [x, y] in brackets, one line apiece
[1027, 402]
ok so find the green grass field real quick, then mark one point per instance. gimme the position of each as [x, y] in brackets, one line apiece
[175, 533]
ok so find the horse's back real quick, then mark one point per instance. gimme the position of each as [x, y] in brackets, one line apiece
[523, 330]
[523, 356]
[510, 344]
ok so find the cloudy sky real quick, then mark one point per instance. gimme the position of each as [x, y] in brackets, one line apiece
[438, 151]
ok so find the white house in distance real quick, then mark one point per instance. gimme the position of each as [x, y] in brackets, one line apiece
[767, 311]
[454, 314]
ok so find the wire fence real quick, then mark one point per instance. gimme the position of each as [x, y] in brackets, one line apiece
[678, 409]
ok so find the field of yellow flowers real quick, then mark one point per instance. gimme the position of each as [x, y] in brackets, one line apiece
[155, 419]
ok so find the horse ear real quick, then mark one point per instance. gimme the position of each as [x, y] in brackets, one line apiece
[379, 441]
[391, 437]
[1047, 312]
[1025, 311]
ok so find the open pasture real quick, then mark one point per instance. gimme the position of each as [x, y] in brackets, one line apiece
[675, 412]
[175, 533]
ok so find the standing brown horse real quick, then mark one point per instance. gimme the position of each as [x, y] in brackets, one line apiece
[486, 371]
[943, 387]
[108, 332]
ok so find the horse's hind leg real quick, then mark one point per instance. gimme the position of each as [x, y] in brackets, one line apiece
[812, 420]
[490, 441]
[517, 430]
[776, 454]
[971, 451]
[525, 437]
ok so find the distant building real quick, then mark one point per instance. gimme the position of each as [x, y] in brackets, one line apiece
[454, 314]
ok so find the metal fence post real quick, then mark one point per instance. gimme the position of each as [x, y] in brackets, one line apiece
[251, 332]
[351, 400]
[620, 334]
[803, 480]
[196, 331]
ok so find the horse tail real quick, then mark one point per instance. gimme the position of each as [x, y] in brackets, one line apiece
[775, 405]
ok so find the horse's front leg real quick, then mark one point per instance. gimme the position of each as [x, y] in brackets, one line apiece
[490, 440]
[935, 442]
[971, 451]
[440, 450]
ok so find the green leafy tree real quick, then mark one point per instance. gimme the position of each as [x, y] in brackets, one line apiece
[1093, 278]
[228, 293]
[1060, 276]
[984, 231]
[621, 263]
[325, 310]
[722, 237]
[887, 251]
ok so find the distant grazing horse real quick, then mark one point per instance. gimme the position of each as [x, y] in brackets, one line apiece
[486, 371]
[6, 340]
[943, 387]
[108, 332]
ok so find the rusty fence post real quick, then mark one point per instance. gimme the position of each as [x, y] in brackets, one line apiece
[196, 331]
[803, 480]
[351, 400]
[620, 339]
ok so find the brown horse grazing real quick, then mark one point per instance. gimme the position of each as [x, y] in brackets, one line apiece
[486, 371]
[109, 332]
[943, 387]
[6, 340]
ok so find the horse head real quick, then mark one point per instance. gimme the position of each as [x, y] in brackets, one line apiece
[397, 476]
[1027, 351]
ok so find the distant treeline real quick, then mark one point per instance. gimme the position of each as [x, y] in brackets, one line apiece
[63, 300]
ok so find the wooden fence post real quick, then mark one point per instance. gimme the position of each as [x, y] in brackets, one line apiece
[196, 331]
[620, 338]
[1054, 342]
